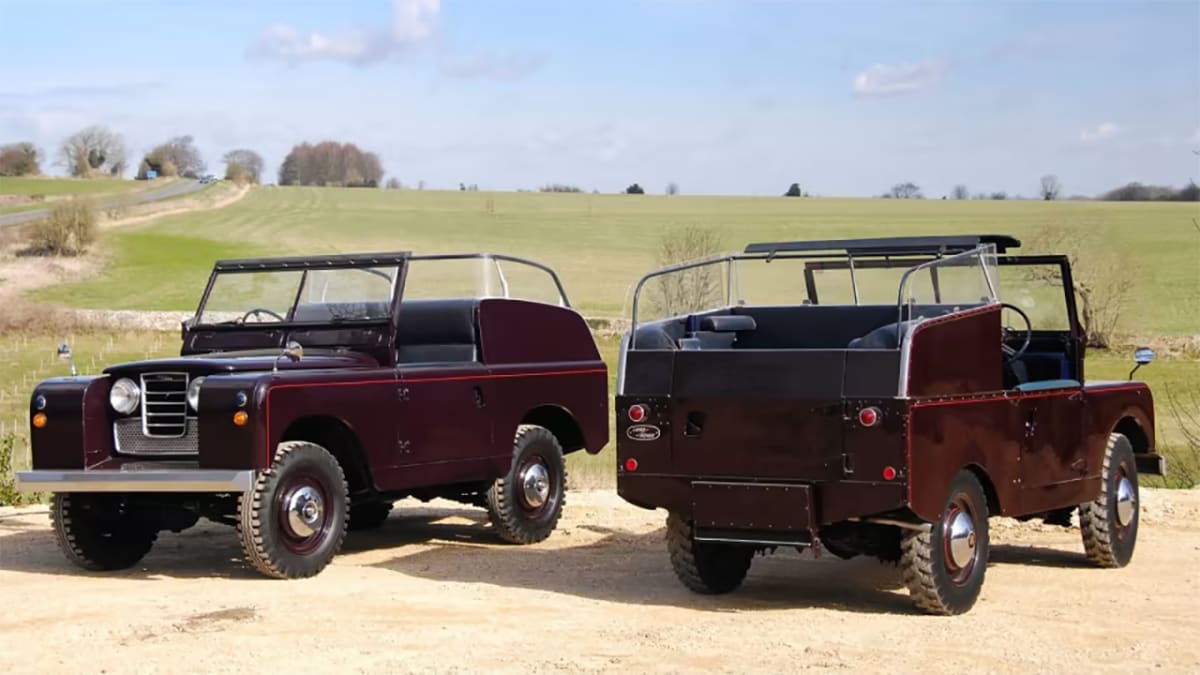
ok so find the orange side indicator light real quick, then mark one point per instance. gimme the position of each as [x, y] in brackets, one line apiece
[39, 420]
[240, 418]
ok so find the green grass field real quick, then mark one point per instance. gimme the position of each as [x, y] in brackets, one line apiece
[65, 186]
[601, 244]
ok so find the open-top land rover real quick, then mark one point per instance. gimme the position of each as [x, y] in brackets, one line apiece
[312, 392]
[876, 396]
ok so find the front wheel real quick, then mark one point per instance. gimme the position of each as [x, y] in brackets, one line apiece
[1109, 523]
[100, 532]
[944, 566]
[524, 505]
[293, 521]
[709, 568]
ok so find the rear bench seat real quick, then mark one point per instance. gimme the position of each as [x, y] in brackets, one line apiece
[437, 331]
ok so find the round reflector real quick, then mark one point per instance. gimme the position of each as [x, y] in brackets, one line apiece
[631, 465]
[637, 412]
[39, 420]
[868, 417]
[240, 418]
[889, 473]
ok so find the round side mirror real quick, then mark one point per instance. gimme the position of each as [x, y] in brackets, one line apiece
[1143, 355]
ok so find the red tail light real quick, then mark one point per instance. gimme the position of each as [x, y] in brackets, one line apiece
[868, 417]
[889, 473]
[631, 465]
[638, 412]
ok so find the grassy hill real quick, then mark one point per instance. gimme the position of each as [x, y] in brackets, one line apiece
[27, 186]
[601, 244]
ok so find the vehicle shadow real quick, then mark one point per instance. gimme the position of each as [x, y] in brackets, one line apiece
[211, 550]
[633, 568]
[1037, 556]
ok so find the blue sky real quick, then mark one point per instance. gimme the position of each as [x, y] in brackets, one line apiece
[721, 97]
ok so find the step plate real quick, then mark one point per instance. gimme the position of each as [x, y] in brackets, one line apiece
[765, 507]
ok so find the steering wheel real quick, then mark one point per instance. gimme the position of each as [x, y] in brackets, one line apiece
[258, 311]
[1014, 354]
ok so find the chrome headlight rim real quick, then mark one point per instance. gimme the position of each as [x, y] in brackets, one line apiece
[193, 393]
[125, 396]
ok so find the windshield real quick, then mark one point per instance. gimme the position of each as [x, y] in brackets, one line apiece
[346, 294]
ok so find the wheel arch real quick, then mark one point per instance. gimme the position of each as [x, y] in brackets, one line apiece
[1130, 427]
[994, 506]
[339, 438]
[560, 422]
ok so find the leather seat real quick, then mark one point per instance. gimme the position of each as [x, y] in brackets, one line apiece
[437, 331]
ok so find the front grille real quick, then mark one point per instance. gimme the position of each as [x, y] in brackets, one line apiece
[164, 404]
[131, 441]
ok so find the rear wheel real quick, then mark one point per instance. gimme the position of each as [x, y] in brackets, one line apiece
[944, 566]
[99, 531]
[1109, 523]
[293, 521]
[705, 567]
[525, 504]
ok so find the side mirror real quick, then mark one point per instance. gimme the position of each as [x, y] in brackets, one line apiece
[293, 351]
[64, 354]
[1141, 357]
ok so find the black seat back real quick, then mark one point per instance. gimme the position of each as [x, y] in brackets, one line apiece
[437, 331]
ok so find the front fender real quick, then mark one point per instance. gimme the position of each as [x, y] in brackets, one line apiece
[223, 443]
[78, 430]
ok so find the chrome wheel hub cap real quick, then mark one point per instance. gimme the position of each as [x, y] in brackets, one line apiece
[305, 509]
[535, 485]
[1126, 502]
[960, 540]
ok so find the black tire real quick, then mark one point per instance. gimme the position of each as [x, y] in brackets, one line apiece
[1109, 523]
[939, 580]
[704, 567]
[524, 506]
[98, 532]
[368, 515]
[292, 523]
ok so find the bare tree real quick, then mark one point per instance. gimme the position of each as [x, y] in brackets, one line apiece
[1102, 274]
[250, 164]
[672, 188]
[688, 290]
[1050, 187]
[177, 157]
[332, 164]
[393, 183]
[960, 192]
[91, 151]
[20, 159]
[906, 190]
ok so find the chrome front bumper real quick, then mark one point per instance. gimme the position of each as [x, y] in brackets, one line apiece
[141, 480]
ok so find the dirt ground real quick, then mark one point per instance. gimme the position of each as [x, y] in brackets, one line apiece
[433, 591]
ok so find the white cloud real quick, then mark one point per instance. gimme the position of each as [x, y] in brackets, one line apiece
[1099, 132]
[883, 79]
[413, 22]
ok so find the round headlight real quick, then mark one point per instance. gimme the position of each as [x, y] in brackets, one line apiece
[193, 393]
[124, 396]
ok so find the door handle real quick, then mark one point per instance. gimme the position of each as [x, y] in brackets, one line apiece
[479, 402]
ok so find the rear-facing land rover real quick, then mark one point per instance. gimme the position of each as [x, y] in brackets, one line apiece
[877, 396]
[310, 393]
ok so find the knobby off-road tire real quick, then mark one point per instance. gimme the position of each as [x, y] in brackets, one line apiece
[708, 568]
[98, 532]
[1109, 524]
[944, 567]
[293, 521]
[368, 515]
[525, 504]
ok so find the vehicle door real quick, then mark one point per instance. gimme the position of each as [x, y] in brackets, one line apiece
[1047, 375]
[443, 419]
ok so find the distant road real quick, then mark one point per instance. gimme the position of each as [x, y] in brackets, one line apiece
[181, 187]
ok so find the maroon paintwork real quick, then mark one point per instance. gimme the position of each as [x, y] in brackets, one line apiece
[394, 426]
[760, 417]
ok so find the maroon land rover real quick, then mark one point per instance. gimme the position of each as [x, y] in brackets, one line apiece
[875, 396]
[312, 392]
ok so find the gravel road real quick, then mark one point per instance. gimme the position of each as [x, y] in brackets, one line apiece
[433, 591]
